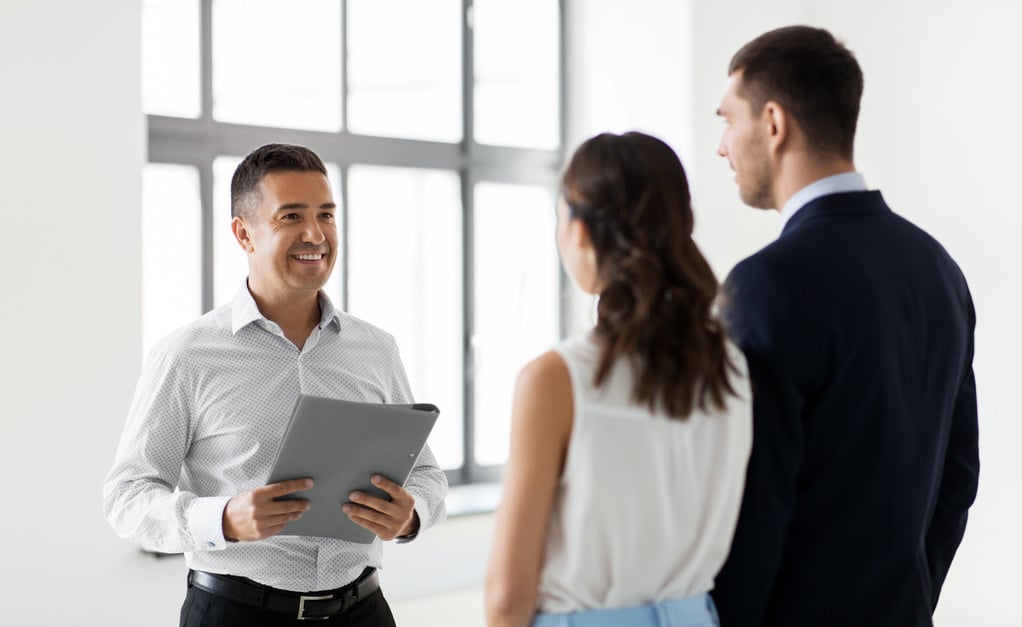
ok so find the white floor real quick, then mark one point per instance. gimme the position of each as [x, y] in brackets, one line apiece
[453, 609]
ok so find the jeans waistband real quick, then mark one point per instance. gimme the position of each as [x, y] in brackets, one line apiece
[693, 611]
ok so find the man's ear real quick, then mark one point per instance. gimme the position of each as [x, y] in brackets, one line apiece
[241, 234]
[777, 122]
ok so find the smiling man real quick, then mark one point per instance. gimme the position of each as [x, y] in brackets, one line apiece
[858, 328]
[212, 405]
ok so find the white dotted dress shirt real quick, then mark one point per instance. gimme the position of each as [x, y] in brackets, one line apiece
[208, 415]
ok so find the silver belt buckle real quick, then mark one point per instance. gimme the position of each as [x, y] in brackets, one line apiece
[301, 607]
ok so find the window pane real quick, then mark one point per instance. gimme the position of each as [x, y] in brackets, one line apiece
[230, 263]
[404, 75]
[171, 249]
[405, 277]
[517, 76]
[277, 63]
[170, 58]
[516, 301]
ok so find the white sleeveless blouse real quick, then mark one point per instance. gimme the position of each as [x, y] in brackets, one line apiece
[646, 507]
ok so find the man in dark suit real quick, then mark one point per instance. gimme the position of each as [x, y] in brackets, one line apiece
[858, 328]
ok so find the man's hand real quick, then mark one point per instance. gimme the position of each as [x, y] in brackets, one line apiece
[387, 519]
[254, 514]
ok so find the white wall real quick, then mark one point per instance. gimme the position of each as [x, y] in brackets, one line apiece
[73, 145]
[629, 69]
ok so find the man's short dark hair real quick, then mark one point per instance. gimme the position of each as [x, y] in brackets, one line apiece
[263, 161]
[811, 75]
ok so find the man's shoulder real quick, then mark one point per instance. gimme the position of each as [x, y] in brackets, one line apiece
[776, 284]
[922, 238]
[768, 264]
[353, 328]
[213, 325]
[890, 231]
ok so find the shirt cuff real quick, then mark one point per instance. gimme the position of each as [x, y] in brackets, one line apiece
[206, 521]
[418, 527]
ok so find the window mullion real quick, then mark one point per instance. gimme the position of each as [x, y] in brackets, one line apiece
[344, 69]
[468, 323]
[468, 239]
[467, 80]
[344, 253]
[208, 150]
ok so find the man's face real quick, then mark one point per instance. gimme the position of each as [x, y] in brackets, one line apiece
[744, 144]
[290, 235]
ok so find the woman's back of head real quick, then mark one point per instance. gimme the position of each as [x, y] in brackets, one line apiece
[656, 290]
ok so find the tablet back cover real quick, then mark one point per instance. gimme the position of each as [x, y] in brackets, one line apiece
[340, 445]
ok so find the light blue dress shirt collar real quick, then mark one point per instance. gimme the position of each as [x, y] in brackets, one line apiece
[835, 184]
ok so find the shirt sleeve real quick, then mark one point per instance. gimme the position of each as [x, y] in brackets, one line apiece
[140, 496]
[427, 483]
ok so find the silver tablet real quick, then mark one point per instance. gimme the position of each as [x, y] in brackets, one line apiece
[340, 445]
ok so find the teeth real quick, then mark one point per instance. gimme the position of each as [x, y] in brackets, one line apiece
[316, 257]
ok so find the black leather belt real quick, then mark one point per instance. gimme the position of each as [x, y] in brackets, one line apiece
[307, 606]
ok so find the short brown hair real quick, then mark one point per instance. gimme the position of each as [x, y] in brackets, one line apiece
[812, 75]
[262, 161]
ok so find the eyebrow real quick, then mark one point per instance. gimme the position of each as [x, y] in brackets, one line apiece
[291, 206]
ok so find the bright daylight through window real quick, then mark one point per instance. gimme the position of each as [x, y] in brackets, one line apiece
[440, 123]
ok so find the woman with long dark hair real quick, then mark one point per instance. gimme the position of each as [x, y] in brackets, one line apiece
[629, 442]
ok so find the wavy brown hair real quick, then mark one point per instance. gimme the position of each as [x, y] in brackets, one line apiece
[656, 288]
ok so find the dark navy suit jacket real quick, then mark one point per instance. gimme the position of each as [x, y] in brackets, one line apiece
[858, 329]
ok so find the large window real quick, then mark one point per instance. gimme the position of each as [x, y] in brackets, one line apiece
[441, 124]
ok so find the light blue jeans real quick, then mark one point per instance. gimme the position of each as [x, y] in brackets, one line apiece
[694, 611]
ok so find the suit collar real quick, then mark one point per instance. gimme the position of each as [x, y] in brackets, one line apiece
[833, 184]
[842, 204]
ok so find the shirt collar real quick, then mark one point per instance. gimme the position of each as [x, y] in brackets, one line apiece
[835, 184]
[329, 313]
[244, 310]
